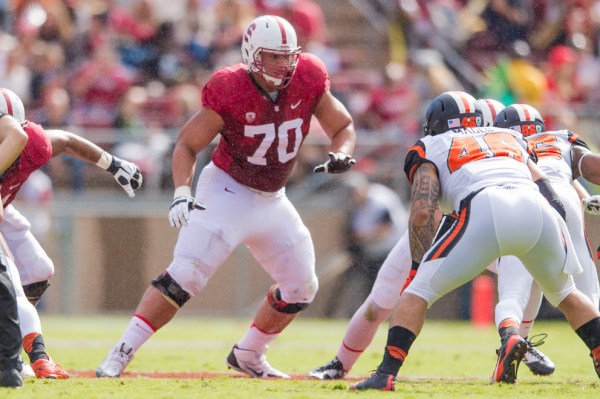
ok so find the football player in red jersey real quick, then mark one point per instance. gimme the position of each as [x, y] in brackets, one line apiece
[262, 109]
[12, 141]
[34, 266]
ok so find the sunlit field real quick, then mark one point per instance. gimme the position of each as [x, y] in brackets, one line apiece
[187, 360]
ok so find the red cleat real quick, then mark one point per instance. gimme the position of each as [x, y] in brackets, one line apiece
[46, 368]
[510, 355]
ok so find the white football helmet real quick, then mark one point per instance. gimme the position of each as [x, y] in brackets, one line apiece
[490, 108]
[274, 35]
[11, 104]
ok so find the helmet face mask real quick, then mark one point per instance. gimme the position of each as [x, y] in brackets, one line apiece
[270, 50]
[276, 68]
[451, 110]
[522, 118]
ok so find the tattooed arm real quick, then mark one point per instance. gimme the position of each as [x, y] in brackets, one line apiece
[424, 212]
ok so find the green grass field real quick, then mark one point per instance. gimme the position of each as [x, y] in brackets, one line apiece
[449, 360]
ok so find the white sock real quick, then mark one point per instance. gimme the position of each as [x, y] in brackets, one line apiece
[525, 327]
[256, 340]
[359, 335]
[137, 333]
[531, 310]
[29, 319]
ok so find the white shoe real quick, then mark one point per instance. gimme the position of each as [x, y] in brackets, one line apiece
[538, 363]
[26, 370]
[252, 363]
[115, 362]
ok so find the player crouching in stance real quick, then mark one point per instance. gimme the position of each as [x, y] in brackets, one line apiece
[12, 141]
[501, 198]
[263, 110]
[34, 266]
[395, 273]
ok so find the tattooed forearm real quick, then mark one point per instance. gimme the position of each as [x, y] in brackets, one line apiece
[425, 195]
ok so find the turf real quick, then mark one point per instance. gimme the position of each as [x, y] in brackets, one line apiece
[186, 359]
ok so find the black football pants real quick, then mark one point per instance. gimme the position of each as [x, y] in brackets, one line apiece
[10, 334]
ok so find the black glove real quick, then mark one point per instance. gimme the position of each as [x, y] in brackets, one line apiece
[338, 163]
[127, 174]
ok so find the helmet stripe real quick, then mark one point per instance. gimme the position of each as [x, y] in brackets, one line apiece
[527, 114]
[461, 101]
[8, 102]
[524, 112]
[282, 29]
[492, 109]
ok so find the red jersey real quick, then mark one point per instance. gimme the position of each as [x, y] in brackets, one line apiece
[36, 154]
[261, 137]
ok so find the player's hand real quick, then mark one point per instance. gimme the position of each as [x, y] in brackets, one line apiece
[127, 174]
[338, 163]
[179, 213]
[591, 205]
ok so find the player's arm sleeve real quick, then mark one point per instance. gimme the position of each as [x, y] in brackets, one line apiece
[317, 76]
[414, 158]
[575, 140]
[213, 94]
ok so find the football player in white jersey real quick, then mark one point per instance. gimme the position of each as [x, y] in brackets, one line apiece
[501, 198]
[393, 276]
[513, 273]
[559, 154]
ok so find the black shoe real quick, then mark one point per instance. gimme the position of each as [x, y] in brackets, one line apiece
[334, 370]
[378, 380]
[11, 378]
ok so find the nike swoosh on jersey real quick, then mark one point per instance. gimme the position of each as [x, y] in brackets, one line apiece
[229, 191]
[294, 106]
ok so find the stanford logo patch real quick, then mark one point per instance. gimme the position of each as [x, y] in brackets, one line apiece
[250, 116]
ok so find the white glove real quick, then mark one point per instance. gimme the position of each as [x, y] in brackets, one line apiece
[591, 205]
[182, 205]
[127, 174]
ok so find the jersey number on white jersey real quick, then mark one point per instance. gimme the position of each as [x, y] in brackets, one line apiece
[465, 149]
[545, 146]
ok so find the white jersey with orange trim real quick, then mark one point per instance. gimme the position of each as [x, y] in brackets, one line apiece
[453, 154]
[483, 174]
[553, 149]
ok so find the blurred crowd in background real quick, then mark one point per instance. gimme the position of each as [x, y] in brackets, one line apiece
[138, 65]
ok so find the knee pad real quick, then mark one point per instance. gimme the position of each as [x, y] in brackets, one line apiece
[274, 298]
[171, 289]
[34, 291]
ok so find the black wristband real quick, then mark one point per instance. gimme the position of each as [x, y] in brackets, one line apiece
[114, 165]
